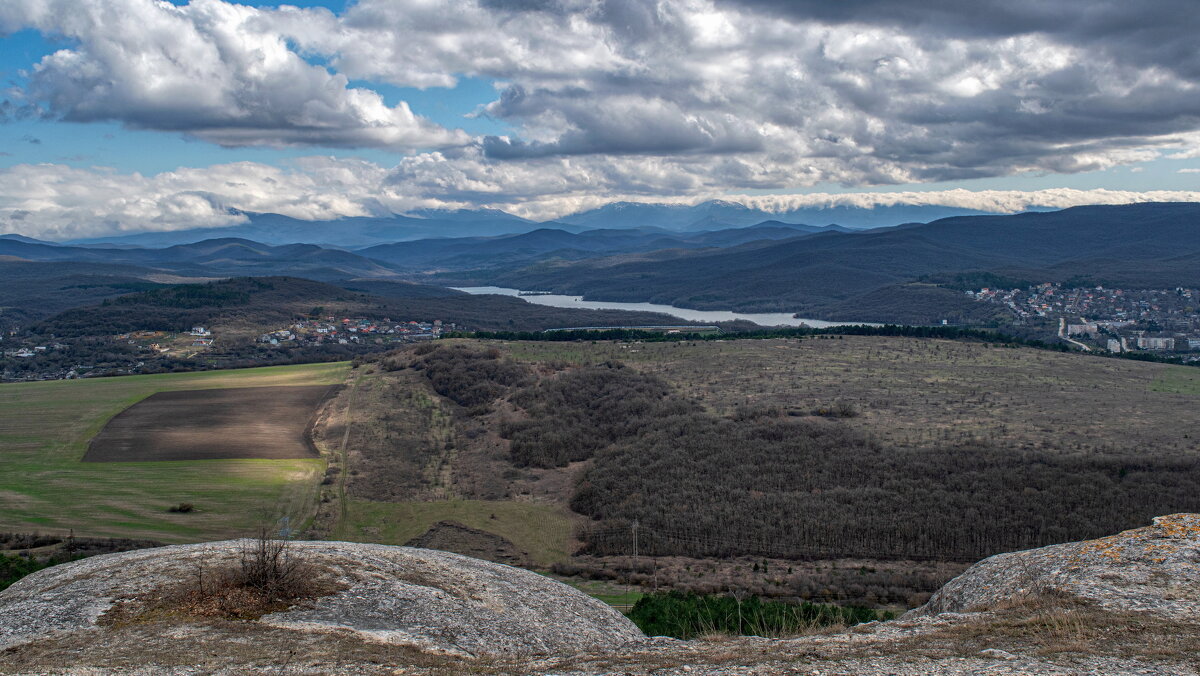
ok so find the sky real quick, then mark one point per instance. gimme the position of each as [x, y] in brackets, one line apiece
[131, 115]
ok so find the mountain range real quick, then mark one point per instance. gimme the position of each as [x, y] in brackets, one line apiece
[838, 275]
[508, 250]
[911, 273]
[225, 257]
[360, 232]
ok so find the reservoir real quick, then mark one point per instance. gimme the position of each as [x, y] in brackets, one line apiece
[706, 316]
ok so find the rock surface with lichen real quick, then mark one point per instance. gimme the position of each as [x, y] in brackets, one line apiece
[431, 600]
[1154, 569]
[1124, 604]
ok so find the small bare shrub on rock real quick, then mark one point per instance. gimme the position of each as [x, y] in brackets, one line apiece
[267, 576]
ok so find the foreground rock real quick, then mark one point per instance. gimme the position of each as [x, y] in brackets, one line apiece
[431, 600]
[1153, 570]
[1124, 604]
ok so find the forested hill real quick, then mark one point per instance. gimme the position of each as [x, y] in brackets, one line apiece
[826, 274]
[250, 305]
[515, 250]
[214, 258]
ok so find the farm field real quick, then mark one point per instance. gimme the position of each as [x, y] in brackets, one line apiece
[44, 432]
[268, 423]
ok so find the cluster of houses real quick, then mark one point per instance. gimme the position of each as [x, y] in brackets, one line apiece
[348, 330]
[26, 352]
[162, 342]
[1119, 320]
[1123, 336]
[1051, 300]
[201, 337]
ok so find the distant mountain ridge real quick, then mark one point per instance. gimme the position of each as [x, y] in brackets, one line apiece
[509, 250]
[276, 229]
[715, 214]
[214, 257]
[366, 231]
[838, 275]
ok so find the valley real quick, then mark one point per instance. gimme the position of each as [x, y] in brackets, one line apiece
[861, 465]
[854, 469]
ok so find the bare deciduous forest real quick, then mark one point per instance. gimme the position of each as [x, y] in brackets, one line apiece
[867, 448]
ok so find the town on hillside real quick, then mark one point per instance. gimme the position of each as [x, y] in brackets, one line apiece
[1163, 321]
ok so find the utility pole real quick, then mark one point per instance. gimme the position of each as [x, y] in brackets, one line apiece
[633, 562]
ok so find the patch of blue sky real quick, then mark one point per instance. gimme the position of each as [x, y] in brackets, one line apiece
[21, 50]
[31, 140]
[453, 108]
[107, 144]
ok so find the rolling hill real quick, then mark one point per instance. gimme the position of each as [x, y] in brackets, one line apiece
[31, 290]
[551, 243]
[717, 214]
[215, 258]
[244, 307]
[344, 232]
[826, 274]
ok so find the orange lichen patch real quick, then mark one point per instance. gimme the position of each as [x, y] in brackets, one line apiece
[1178, 526]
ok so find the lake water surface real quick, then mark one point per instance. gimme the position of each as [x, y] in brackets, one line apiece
[713, 316]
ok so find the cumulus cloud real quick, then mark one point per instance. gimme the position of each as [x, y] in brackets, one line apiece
[860, 92]
[210, 69]
[61, 202]
[627, 99]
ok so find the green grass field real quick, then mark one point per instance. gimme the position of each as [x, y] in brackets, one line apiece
[44, 430]
[1178, 380]
[542, 530]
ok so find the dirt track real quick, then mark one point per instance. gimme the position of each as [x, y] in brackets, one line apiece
[251, 422]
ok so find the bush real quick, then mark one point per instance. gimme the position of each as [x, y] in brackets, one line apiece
[271, 568]
[182, 508]
[687, 616]
[840, 409]
[13, 568]
[469, 377]
[268, 576]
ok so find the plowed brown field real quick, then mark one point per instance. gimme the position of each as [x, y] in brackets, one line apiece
[250, 422]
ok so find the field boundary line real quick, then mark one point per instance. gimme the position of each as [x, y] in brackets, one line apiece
[344, 452]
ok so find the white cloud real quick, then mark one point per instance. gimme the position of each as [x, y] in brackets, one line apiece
[210, 69]
[624, 99]
[1189, 171]
[60, 202]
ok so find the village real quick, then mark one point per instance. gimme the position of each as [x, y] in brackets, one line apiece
[1115, 320]
[358, 330]
[149, 351]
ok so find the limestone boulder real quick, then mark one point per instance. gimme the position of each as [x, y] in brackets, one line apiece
[432, 600]
[1155, 570]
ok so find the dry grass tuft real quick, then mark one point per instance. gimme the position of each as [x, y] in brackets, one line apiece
[268, 576]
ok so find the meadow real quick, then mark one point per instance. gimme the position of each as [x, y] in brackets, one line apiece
[544, 531]
[44, 432]
[914, 392]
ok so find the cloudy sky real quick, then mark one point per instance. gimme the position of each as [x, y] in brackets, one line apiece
[125, 115]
